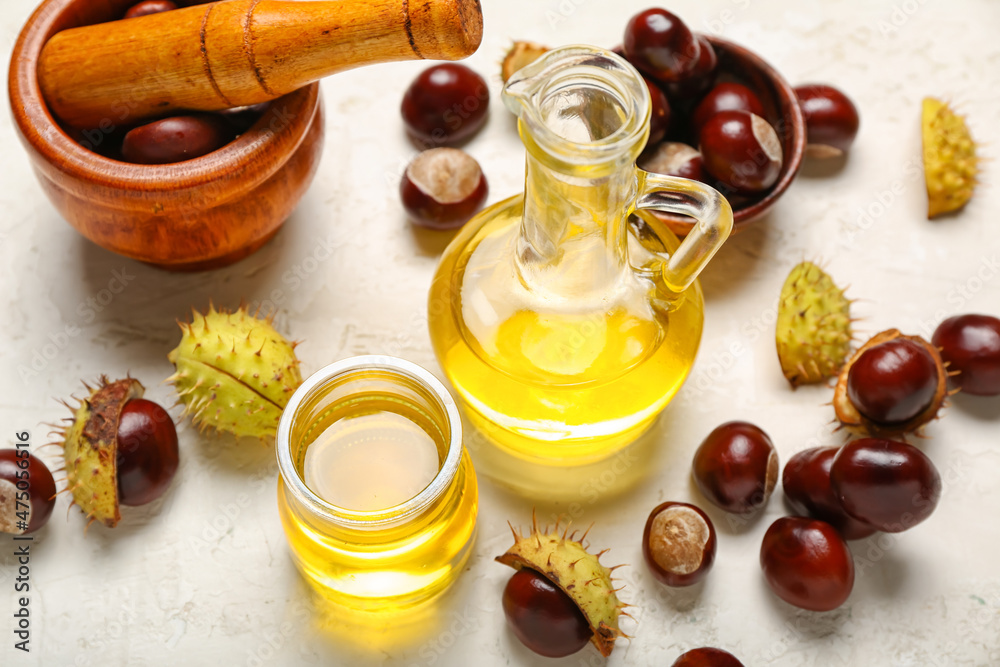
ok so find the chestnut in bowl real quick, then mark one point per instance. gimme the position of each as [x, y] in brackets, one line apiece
[781, 109]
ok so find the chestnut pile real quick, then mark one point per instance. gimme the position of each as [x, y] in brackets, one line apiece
[715, 130]
[838, 494]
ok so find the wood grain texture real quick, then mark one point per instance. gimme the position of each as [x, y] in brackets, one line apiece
[192, 215]
[239, 52]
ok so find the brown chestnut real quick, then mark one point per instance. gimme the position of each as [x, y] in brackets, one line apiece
[445, 105]
[659, 114]
[542, 616]
[149, 7]
[147, 455]
[886, 484]
[674, 159]
[707, 657]
[807, 563]
[736, 467]
[831, 120]
[699, 79]
[658, 43]
[243, 118]
[893, 382]
[726, 97]
[27, 492]
[970, 344]
[742, 150]
[679, 544]
[442, 188]
[806, 482]
[175, 139]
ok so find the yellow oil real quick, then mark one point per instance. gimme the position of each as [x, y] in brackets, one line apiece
[370, 461]
[573, 381]
[373, 448]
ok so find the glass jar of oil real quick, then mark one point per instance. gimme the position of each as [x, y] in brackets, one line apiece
[377, 494]
[564, 322]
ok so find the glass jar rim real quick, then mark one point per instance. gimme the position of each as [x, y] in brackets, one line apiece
[389, 515]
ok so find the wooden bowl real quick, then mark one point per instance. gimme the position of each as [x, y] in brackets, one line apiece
[188, 216]
[740, 65]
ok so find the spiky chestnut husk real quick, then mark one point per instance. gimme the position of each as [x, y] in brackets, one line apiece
[950, 162]
[851, 418]
[234, 372]
[565, 562]
[90, 449]
[813, 331]
[520, 54]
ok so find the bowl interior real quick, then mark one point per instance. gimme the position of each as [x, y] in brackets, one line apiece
[740, 65]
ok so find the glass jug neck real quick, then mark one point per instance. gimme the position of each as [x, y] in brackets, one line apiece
[572, 217]
[583, 116]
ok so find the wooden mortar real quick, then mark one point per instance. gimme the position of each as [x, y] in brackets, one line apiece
[189, 216]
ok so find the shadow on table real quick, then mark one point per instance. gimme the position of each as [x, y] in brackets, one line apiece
[980, 408]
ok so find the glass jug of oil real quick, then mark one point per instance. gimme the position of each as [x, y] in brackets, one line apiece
[564, 322]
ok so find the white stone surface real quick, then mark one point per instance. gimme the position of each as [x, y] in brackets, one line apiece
[202, 577]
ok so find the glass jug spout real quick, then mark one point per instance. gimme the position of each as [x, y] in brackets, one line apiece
[583, 115]
[580, 105]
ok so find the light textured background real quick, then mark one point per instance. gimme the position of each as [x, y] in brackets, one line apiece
[203, 577]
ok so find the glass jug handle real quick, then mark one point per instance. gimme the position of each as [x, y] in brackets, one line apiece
[713, 222]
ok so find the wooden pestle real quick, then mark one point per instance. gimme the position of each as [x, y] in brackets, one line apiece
[239, 52]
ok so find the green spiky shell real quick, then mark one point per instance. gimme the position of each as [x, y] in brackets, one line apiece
[520, 54]
[578, 573]
[90, 449]
[950, 162]
[234, 372]
[813, 331]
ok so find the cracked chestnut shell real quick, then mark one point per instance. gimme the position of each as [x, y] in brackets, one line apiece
[893, 384]
[520, 54]
[20, 467]
[886, 484]
[806, 482]
[679, 544]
